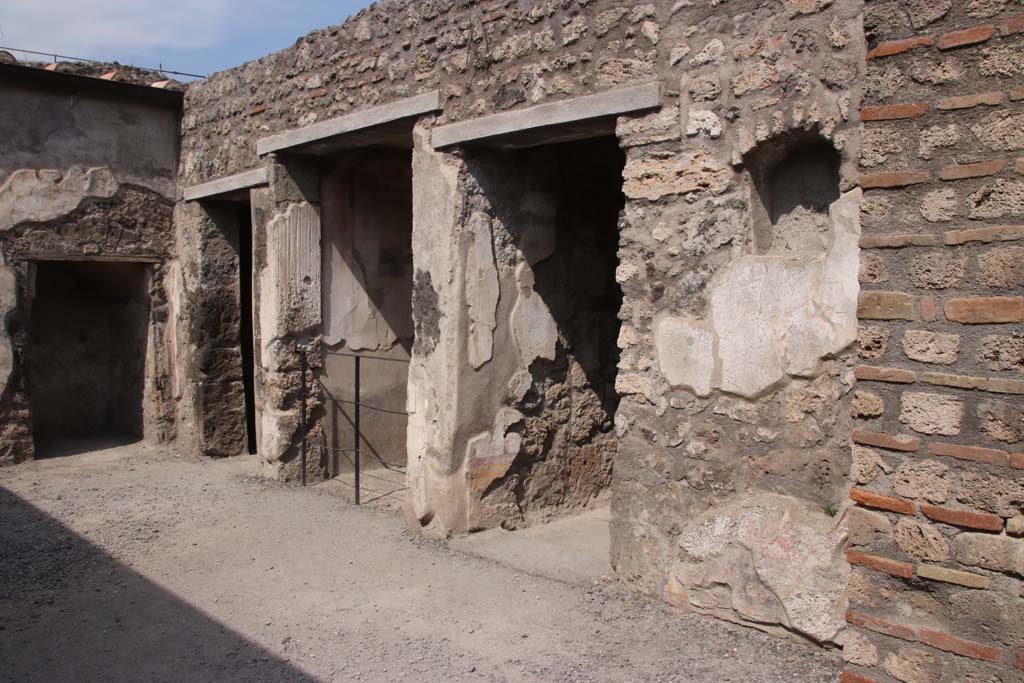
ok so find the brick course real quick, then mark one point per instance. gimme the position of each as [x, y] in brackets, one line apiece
[941, 165]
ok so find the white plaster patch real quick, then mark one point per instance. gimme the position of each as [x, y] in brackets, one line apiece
[772, 316]
[7, 304]
[768, 558]
[686, 354]
[481, 290]
[533, 327]
[46, 194]
[290, 282]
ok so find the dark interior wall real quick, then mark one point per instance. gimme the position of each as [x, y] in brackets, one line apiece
[554, 215]
[217, 312]
[366, 203]
[89, 325]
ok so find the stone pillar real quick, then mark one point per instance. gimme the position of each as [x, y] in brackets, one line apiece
[204, 292]
[436, 470]
[286, 238]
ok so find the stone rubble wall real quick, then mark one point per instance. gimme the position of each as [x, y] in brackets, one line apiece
[759, 445]
[84, 175]
[938, 473]
[118, 221]
[739, 340]
[738, 328]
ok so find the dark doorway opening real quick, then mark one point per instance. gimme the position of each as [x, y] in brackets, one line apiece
[554, 213]
[366, 218]
[89, 328]
[245, 324]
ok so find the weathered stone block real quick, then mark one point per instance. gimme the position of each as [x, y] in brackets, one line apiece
[999, 553]
[922, 480]
[931, 347]
[882, 305]
[932, 413]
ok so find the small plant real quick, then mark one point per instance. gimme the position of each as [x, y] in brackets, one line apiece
[831, 509]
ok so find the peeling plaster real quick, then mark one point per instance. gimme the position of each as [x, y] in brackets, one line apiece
[481, 290]
[46, 194]
[769, 317]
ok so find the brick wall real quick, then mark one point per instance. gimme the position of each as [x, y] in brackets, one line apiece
[938, 453]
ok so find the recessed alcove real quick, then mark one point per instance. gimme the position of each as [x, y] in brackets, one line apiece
[795, 181]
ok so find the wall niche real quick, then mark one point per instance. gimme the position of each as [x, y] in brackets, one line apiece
[795, 181]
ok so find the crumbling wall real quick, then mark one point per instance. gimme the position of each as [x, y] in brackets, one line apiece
[483, 56]
[84, 174]
[738, 254]
[540, 325]
[705, 434]
[287, 300]
[936, 547]
[123, 222]
[211, 382]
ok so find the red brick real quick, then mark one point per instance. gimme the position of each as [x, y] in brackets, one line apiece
[961, 171]
[885, 305]
[851, 677]
[877, 374]
[991, 98]
[959, 646]
[999, 233]
[895, 47]
[986, 309]
[879, 625]
[880, 502]
[870, 181]
[1018, 660]
[893, 111]
[882, 564]
[1017, 93]
[1017, 461]
[892, 241]
[967, 36]
[965, 518]
[989, 456]
[1013, 25]
[893, 443]
[929, 309]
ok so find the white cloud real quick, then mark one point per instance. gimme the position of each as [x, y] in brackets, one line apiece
[104, 29]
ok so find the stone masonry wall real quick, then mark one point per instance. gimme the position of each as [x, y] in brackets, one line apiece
[938, 473]
[738, 255]
[709, 436]
[84, 174]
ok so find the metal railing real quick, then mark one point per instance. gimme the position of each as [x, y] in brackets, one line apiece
[356, 403]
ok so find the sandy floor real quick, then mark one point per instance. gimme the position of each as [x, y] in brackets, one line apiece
[134, 565]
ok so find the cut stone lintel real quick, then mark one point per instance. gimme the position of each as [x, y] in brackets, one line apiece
[227, 185]
[564, 113]
[309, 138]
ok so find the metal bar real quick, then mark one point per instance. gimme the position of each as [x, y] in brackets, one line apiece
[362, 355]
[303, 363]
[356, 421]
[332, 399]
[57, 57]
[367, 405]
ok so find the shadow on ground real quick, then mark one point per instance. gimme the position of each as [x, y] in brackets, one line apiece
[71, 612]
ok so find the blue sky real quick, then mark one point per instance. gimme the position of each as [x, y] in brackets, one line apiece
[197, 36]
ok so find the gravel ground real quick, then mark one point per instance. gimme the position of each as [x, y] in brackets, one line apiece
[136, 565]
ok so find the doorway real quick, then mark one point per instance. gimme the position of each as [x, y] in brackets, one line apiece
[89, 325]
[551, 215]
[367, 276]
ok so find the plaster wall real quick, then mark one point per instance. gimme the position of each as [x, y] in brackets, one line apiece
[366, 201]
[84, 175]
